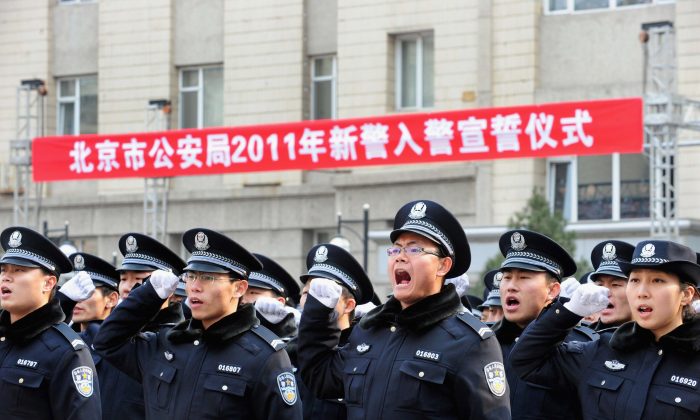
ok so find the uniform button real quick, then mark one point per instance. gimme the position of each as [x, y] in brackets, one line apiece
[421, 374]
[354, 369]
[516, 339]
[2, 338]
[392, 329]
[678, 399]
[603, 382]
[21, 380]
[224, 387]
[661, 352]
[557, 311]
[196, 342]
[161, 374]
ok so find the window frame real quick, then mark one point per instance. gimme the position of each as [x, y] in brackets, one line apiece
[333, 78]
[75, 100]
[199, 89]
[612, 5]
[398, 75]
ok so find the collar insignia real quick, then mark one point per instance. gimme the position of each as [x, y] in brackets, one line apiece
[614, 365]
[363, 348]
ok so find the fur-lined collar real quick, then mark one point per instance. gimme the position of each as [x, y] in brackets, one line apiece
[33, 323]
[286, 328]
[172, 315]
[506, 331]
[685, 338]
[225, 329]
[422, 314]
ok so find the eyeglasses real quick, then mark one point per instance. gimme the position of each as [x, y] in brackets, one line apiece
[190, 277]
[410, 251]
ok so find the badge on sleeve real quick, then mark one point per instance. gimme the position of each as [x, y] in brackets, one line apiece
[82, 378]
[288, 387]
[496, 378]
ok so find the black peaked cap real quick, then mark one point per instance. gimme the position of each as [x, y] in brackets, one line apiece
[534, 251]
[433, 221]
[143, 253]
[274, 277]
[101, 272]
[28, 248]
[665, 256]
[606, 255]
[214, 252]
[332, 262]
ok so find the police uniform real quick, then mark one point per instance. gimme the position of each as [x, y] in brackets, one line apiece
[606, 257]
[274, 277]
[626, 374]
[233, 369]
[113, 382]
[143, 253]
[431, 359]
[532, 251]
[46, 370]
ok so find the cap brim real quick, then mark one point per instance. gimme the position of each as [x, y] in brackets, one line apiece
[687, 271]
[522, 266]
[396, 233]
[21, 262]
[260, 285]
[205, 267]
[136, 267]
[613, 273]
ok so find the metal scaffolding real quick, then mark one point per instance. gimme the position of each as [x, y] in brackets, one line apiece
[155, 197]
[30, 124]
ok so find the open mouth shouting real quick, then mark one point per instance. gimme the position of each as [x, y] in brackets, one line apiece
[511, 304]
[195, 302]
[402, 278]
[608, 310]
[5, 292]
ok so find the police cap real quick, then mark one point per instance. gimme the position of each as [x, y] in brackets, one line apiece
[101, 272]
[273, 277]
[27, 248]
[665, 256]
[143, 253]
[534, 251]
[213, 252]
[606, 255]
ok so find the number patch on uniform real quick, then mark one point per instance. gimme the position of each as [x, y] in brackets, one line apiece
[681, 380]
[496, 378]
[287, 384]
[428, 355]
[82, 378]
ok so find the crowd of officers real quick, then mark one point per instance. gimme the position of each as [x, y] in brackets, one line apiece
[231, 334]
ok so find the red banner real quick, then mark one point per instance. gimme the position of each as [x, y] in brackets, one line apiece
[571, 128]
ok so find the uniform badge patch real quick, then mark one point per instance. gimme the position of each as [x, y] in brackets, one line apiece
[682, 380]
[82, 378]
[614, 365]
[496, 378]
[287, 384]
[363, 348]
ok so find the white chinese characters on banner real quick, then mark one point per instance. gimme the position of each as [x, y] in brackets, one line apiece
[472, 132]
[162, 153]
[107, 155]
[189, 148]
[506, 129]
[218, 150]
[79, 154]
[539, 128]
[573, 127]
[311, 143]
[342, 143]
[374, 137]
[438, 132]
[406, 140]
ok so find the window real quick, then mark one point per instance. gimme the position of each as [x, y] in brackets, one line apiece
[414, 71]
[77, 105]
[201, 97]
[323, 75]
[570, 6]
[600, 187]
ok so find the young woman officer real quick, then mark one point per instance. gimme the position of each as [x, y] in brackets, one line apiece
[648, 368]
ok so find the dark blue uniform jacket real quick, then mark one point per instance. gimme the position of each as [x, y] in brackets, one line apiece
[626, 374]
[46, 371]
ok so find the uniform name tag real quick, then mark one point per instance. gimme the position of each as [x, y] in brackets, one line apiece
[229, 369]
[428, 355]
[682, 380]
[27, 363]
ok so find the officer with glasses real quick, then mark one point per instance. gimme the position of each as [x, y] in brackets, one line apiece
[419, 355]
[219, 364]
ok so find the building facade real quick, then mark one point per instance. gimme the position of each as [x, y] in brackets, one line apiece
[233, 62]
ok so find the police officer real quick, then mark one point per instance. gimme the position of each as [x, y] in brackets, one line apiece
[271, 290]
[606, 258]
[648, 368]
[491, 307]
[219, 364]
[180, 296]
[532, 270]
[46, 369]
[121, 395]
[419, 354]
[143, 255]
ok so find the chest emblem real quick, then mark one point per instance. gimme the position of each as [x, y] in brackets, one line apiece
[614, 365]
[168, 355]
[496, 378]
[82, 378]
[287, 384]
[363, 348]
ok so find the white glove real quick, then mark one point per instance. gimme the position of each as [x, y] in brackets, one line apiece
[461, 284]
[568, 287]
[164, 283]
[273, 310]
[79, 287]
[361, 310]
[325, 291]
[588, 299]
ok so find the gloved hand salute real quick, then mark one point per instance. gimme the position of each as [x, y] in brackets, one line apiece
[588, 299]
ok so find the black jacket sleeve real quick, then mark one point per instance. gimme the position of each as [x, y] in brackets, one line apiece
[67, 401]
[67, 305]
[320, 362]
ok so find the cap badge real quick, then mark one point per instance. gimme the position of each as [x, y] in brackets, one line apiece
[131, 245]
[517, 241]
[15, 239]
[201, 242]
[321, 254]
[609, 252]
[363, 348]
[418, 210]
[79, 262]
[497, 280]
[614, 365]
[648, 251]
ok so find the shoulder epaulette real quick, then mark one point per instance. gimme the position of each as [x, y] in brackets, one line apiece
[589, 333]
[70, 336]
[479, 327]
[271, 338]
